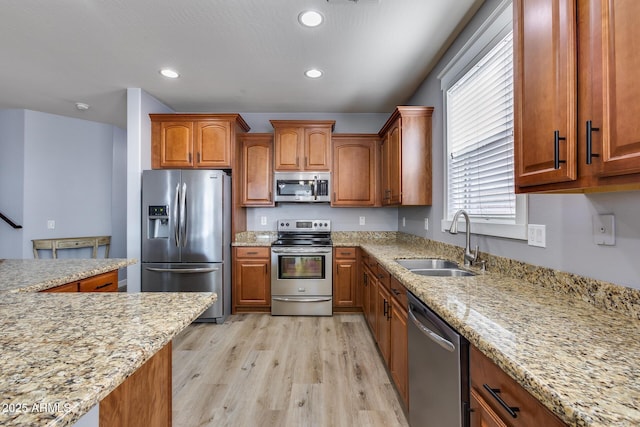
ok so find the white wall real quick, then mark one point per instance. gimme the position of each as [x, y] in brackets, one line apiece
[567, 217]
[11, 181]
[139, 105]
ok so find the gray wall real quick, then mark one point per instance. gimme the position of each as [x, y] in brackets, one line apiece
[11, 181]
[64, 174]
[568, 218]
[343, 219]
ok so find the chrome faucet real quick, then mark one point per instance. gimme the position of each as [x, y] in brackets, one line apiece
[469, 257]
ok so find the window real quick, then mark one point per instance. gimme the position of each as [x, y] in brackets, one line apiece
[478, 98]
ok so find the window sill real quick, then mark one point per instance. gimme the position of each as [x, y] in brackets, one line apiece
[494, 229]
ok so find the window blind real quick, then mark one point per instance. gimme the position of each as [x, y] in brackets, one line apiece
[480, 137]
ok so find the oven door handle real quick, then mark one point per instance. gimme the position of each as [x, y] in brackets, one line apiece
[285, 299]
[301, 251]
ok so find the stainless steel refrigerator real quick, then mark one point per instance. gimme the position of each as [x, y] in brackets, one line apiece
[186, 242]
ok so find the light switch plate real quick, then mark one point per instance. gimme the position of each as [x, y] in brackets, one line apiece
[604, 230]
[362, 220]
[51, 224]
[537, 235]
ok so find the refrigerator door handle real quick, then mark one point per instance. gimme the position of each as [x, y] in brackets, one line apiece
[176, 229]
[183, 215]
[182, 270]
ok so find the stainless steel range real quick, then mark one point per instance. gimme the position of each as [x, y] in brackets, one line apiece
[301, 265]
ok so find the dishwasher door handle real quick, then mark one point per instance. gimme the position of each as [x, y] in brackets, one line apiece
[442, 342]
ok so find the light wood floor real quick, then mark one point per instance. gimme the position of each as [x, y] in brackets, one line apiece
[259, 370]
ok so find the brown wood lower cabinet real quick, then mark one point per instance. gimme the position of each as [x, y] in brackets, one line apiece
[251, 279]
[384, 303]
[399, 360]
[143, 399]
[106, 282]
[489, 385]
[346, 296]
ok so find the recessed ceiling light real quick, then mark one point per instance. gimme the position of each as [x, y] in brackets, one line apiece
[313, 73]
[169, 73]
[310, 18]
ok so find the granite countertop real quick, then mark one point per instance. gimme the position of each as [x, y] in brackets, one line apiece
[33, 275]
[581, 361]
[63, 353]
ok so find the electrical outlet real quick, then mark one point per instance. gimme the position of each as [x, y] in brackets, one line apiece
[51, 224]
[604, 230]
[362, 220]
[263, 220]
[537, 235]
[426, 223]
[404, 221]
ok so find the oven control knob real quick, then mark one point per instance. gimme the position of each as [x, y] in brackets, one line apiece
[325, 224]
[315, 224]
[282, 224]
[287, 224]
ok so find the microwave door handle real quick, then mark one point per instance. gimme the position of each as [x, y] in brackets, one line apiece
[315, 188]
[176, 228]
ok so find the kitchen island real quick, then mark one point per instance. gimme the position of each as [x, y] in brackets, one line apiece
[63, 354]
[570, 341]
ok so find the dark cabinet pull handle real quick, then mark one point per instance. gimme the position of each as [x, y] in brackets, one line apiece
[252, 253]
[590, 130]
[105, 285]
[556, 145]
[512, 410]
[385, 308]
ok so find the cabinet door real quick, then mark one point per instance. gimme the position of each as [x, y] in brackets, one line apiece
[213, 144]
[372, 318]
[613, 38]
[399, 363]
[366, 289]
[383, 323]
[288, 148]
[545, 89]
[354, 172]
[252, 284]
[344, 283]
[176, 145]
[391, 168]
[481, 414]
[257, 171]
[317, 149]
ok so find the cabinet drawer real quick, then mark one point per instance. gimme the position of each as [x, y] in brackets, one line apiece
[252, 252]
[69, 287]
[383, 276]
[77, 243]
[487, 375]
[107, 282]
[345, 253]
[399, 292]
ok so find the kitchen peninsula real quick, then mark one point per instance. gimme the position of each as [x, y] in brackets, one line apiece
[63, 354]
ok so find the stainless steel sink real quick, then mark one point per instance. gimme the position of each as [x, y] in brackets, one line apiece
[442, 272]
[426, 263]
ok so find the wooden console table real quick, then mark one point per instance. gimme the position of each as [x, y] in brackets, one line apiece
[72, 243]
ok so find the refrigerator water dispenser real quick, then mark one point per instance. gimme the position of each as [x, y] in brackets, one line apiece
[158, 222]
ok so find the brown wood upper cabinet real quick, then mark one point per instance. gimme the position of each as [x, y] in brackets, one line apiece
[185, 141]
[257, 169]
[576, 134]
[302, 144]
[355, 170]
[406, 157]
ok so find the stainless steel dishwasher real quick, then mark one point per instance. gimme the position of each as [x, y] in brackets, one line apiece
[438, 370]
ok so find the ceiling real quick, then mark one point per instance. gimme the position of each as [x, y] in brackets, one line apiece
[232, 55]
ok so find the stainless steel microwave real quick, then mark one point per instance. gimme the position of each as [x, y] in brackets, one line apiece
[308, 187]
